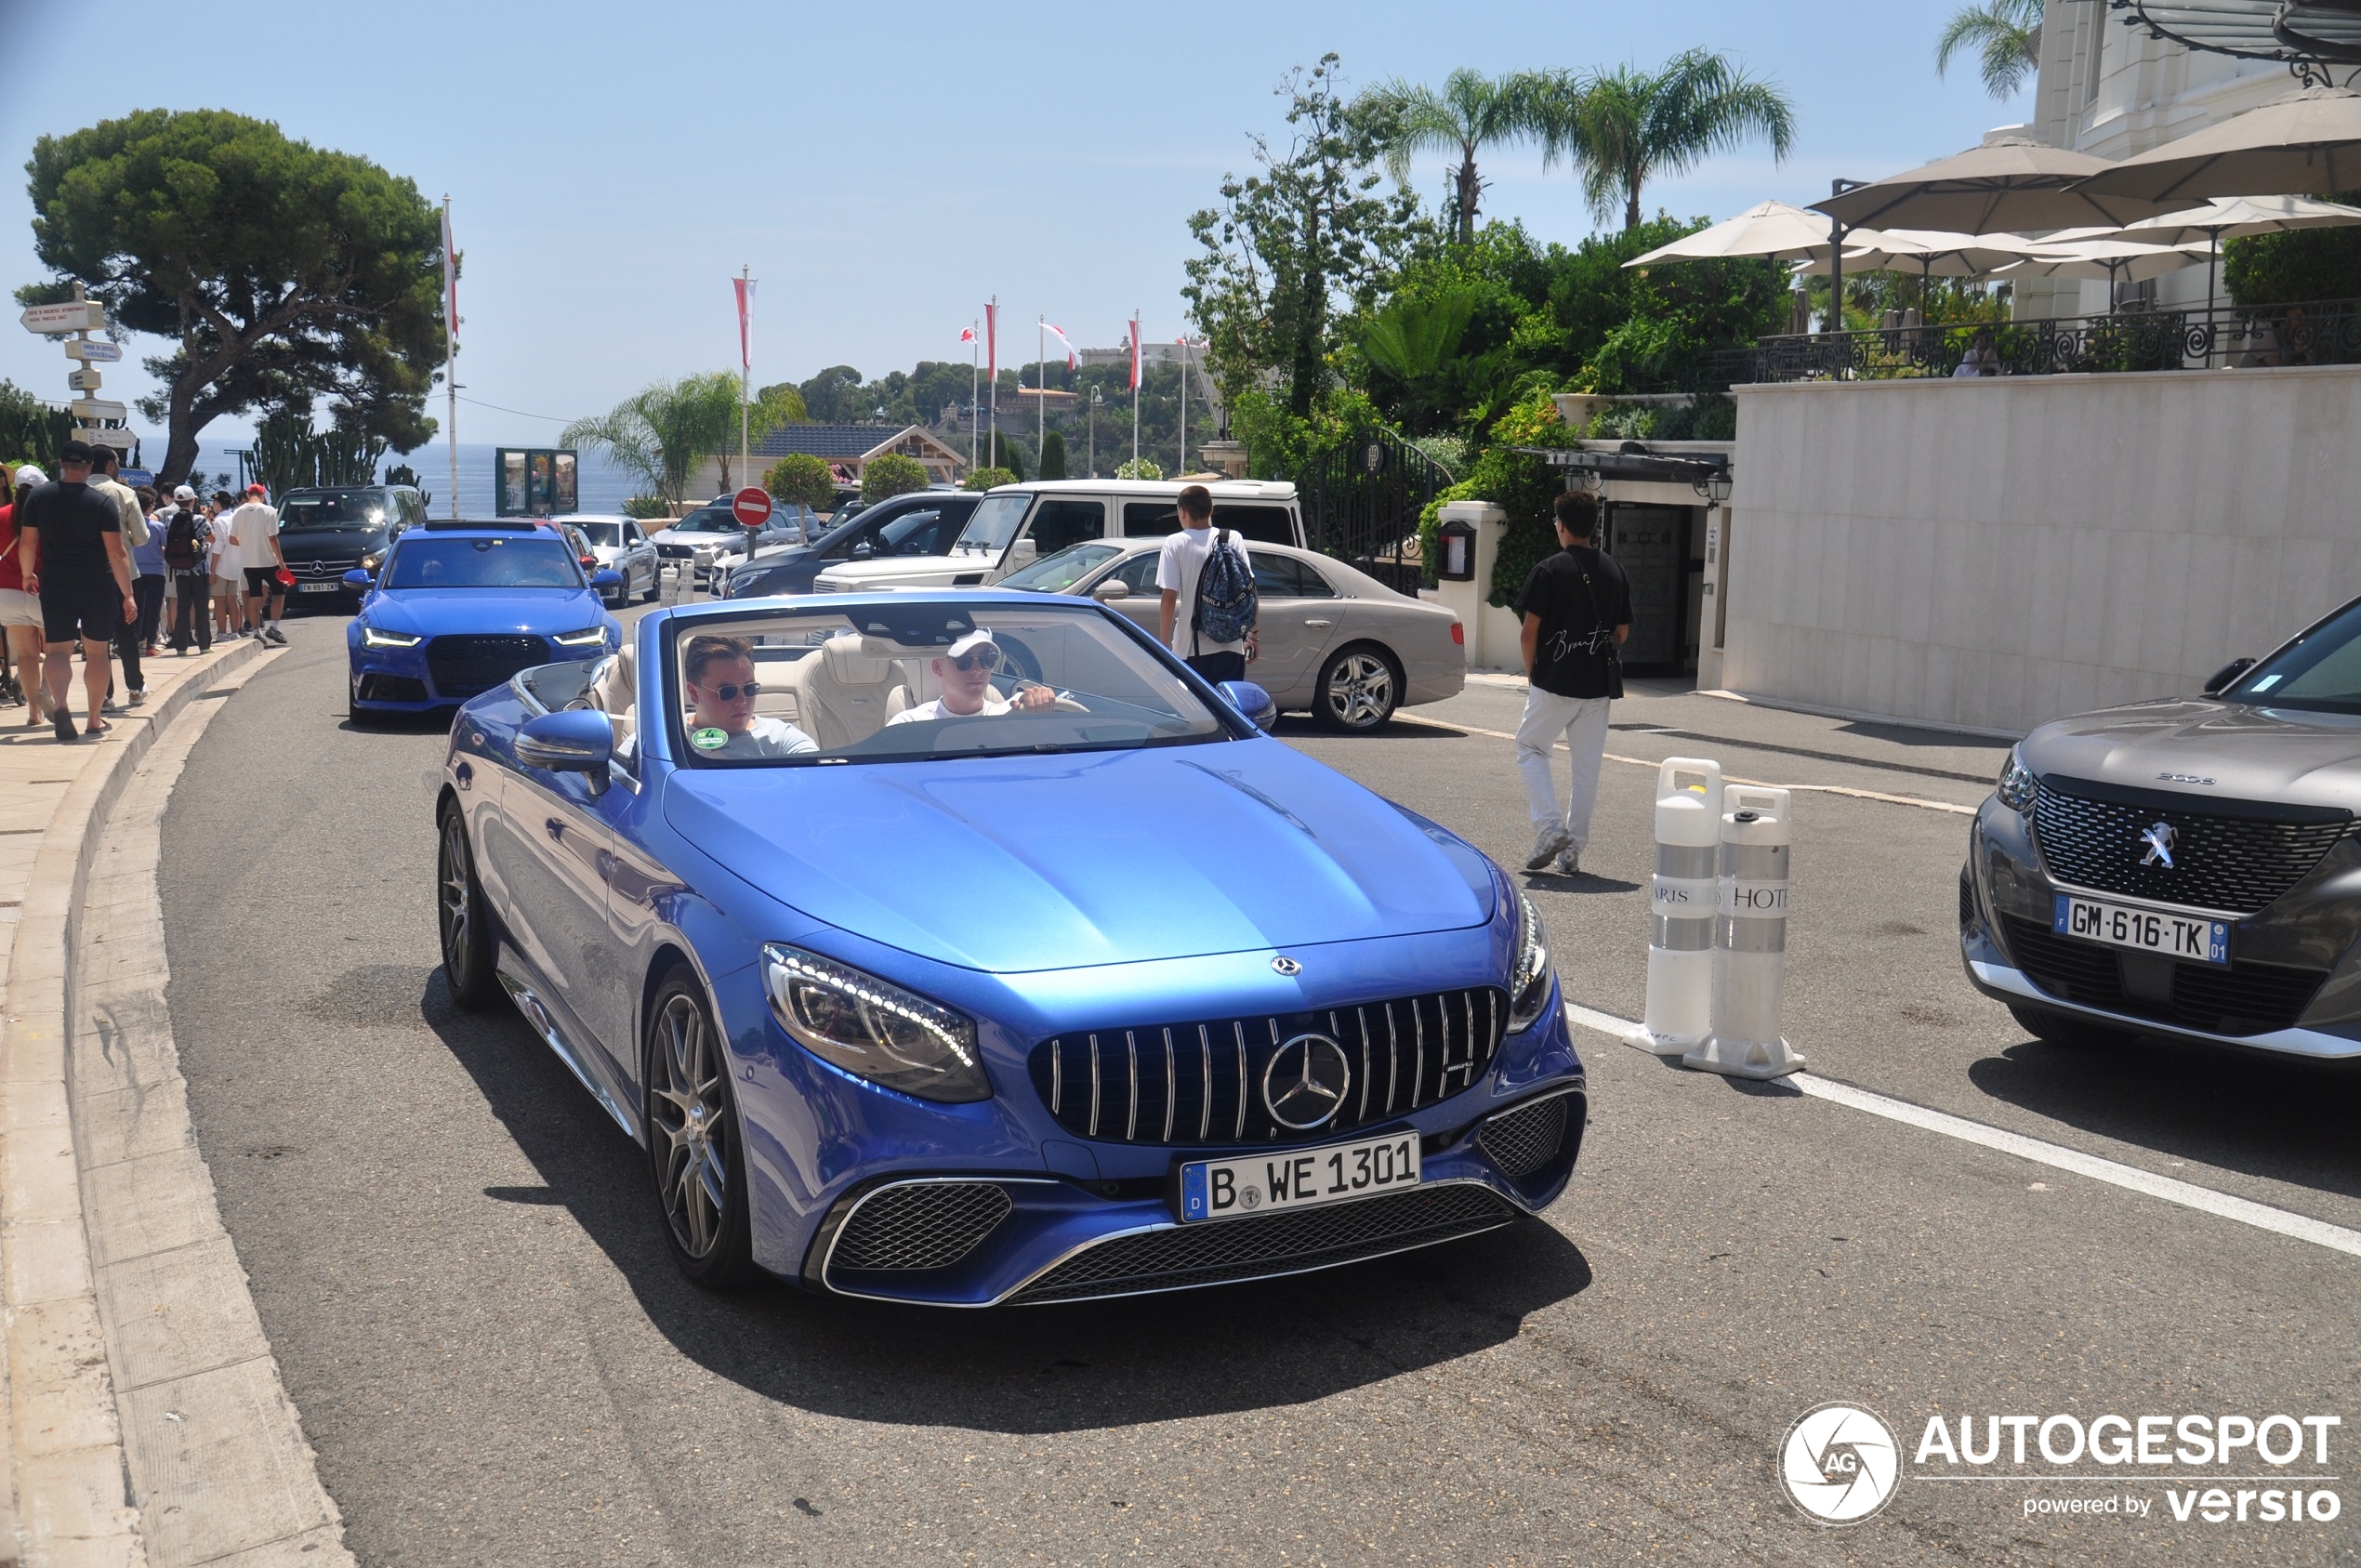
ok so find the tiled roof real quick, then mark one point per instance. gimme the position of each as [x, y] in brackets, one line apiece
[824, 441]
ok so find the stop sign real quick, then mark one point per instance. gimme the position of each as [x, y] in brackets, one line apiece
[750, 507]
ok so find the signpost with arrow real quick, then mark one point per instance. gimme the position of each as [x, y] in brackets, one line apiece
[74, 320]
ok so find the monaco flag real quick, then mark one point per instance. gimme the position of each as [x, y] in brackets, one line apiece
[992, 341]
[1059, 334]
[967, 334]
[1135, 353]
[744, 288]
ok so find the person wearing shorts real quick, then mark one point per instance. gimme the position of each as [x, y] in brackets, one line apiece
[74, 561]
[19, 611]
[256, 527]
[229, 582]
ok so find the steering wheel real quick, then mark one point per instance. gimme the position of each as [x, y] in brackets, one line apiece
[1067, 705]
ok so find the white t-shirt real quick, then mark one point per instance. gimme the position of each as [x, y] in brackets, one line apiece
[222, 556]
[1178, 566]
[764, 737]
[993, 706]
[255, 525]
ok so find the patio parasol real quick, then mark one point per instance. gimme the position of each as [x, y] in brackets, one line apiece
[2010, 184]
[2118, 261]
[2230, 218]
[2306, 143]
[1769, 228]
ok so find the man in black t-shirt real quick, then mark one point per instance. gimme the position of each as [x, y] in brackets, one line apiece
[74, 560]
[1577, 609]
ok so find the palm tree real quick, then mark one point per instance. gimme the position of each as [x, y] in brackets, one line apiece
[1470, 112]
[1625, 127]
[2006, 36]
[663, 432]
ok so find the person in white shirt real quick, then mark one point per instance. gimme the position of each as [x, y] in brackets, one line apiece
[254, 527]
[1178, 566]
[228, 578]
[718, 672]
[965, 669]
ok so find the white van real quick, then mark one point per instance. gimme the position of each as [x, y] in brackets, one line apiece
[1017, 524]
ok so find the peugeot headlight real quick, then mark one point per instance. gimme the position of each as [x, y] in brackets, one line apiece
[873, 1028]
[374, 637]
[2017, 787]
[1529, 977]
[590, 638]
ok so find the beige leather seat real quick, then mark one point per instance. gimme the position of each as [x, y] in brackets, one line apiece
[844, 694]
[614, 691]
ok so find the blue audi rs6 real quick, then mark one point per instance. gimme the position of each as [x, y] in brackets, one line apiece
[457, 608]
[966, 948]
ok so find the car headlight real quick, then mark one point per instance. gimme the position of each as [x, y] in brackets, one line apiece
[2017, 787]
[369, 561]
[1529, 977]
[590, 638]
[372, 636]
[873, 1028]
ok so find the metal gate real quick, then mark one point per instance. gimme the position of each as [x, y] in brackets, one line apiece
[1361, 504]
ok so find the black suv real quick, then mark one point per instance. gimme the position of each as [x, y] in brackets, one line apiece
[921, 522]
[330, 530]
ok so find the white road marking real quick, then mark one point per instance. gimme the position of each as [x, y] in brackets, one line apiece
[2205, 1200]
[1917, 800]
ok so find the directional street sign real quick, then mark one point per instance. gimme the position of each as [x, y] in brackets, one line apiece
[84, 380]
[75, 315]
[95, 354]
[93, 409]
[121, 440]
[751, 506]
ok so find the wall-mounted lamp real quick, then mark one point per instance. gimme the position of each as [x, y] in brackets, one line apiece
[1714, 487]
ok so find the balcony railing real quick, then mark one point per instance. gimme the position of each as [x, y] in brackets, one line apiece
[2317, 332]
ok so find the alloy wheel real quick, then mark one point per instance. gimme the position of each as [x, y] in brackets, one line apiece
[454, 903]
[1360, 690]
[690, 1115]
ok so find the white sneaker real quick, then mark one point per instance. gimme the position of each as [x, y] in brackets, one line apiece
[1570, 862]
[137, 695]
[1547, 842]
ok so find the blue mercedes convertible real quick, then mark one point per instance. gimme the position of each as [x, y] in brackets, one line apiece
[966, 948]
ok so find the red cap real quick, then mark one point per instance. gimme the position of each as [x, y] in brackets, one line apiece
[256, 490]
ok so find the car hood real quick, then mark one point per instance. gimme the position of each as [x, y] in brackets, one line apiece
[1014, 864]
[433, 612]
[305, 544]
[2208, 749]
[855, 576]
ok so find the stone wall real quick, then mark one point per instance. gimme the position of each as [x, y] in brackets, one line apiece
[1997, 553]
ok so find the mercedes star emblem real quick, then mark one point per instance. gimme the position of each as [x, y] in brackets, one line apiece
[1285, 965]
[1305, 1084]
[2158, 838]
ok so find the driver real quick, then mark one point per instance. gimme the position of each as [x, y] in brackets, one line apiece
[964, 669]
[719, 675]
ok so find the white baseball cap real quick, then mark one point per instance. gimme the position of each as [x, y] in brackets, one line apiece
[31, 475]
[980, 638]
[182, 492]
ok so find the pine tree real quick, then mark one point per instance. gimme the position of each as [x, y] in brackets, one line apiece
[1053, 455]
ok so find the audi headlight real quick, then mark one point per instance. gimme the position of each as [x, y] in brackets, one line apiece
[592, 638]
[373, 636]
[2017, 787]
[1529, 977]
[873, 1028]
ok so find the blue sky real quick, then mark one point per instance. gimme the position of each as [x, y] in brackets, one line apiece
[882, 169]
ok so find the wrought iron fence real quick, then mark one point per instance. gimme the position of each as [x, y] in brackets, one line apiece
[1361, 503]
[2316, 332]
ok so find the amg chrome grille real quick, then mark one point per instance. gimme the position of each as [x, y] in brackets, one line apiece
[464, 666]
[2238, 863]
[919, 1225]
[1527, 1139]
[1224, 1250]
[1201, 1082]
[2243, 999]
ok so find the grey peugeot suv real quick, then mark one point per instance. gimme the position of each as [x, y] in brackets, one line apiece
[2189, 866]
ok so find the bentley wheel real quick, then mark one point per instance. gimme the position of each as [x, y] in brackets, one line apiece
[466, 934]
[694, 1147]
[1359, 689]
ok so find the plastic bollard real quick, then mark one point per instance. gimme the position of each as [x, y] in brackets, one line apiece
[1682, 906]
[1751, 946]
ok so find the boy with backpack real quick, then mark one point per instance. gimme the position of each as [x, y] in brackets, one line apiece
[187, 538]
[1212, 576]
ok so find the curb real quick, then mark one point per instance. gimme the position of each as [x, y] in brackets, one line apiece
[68, 1479]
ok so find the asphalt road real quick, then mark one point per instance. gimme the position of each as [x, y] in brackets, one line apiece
[459, 1266]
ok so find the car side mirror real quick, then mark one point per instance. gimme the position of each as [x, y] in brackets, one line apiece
[606, 579]
[863, 550]
[1111, 590]
[356, 578]
[2219, 682]
[1253, 701]
[1023, 550]
[570, 740]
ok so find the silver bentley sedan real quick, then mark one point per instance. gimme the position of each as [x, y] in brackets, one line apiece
[2189, 866]
[1335, 642]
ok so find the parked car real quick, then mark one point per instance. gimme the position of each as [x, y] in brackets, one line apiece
[328, 531]
[931, 1011]
[458, 607]
[619, 545]
[711, 535]
[1335, 643]
[922, 524]
[2187, 867]
[1018, 524]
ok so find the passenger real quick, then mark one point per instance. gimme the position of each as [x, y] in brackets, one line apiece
[720, 673]
[964, 669]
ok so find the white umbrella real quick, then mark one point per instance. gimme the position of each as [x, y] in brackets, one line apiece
[1936, 251]
[1769, 228]
[2305, 143]
[2009, 183]
[2118, 261]
[2231, 217]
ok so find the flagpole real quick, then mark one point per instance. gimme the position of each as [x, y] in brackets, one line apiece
[746, 374]
[1184, 407]
[1138, 381]
[991, 404]
[1041, 376]
[451, 353]
[975, 392]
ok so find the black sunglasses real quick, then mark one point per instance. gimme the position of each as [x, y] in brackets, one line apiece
[732, 693]
[988, 657]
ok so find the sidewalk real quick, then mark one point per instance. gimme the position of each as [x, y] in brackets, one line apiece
[62, 1470]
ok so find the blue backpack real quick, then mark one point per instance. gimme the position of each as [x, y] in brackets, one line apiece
[1225, 607]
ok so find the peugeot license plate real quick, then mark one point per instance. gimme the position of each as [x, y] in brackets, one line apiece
[318, 587]
[1258, 1183]
[2148, 931]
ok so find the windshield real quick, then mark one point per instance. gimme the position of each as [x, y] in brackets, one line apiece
[1055, 573]
[536, 561]
[875, 684]
[710, 519]
[333, 508]
[2320, 672]
[993, 526]
[601, 532]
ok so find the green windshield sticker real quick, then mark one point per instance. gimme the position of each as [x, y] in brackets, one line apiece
[710, 738]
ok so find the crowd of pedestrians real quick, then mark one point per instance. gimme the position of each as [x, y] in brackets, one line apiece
[90, 566]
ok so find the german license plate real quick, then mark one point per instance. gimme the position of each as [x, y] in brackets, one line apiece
[318, 587]
[1260, 1183]
[2147, 930]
